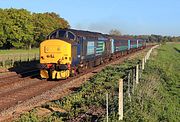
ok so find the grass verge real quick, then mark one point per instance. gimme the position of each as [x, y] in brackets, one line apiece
[157, 96]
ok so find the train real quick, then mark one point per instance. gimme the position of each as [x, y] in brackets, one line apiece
[67, 52]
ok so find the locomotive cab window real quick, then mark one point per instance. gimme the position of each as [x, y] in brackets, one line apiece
[53, 35]
[62, 34]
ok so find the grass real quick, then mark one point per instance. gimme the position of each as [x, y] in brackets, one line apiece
[7, 57]
[18, 51]
[156, 97]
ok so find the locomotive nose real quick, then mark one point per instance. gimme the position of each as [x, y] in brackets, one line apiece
[56, 52]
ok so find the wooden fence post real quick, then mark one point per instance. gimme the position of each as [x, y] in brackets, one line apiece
[107, 107]
[133, 80]
[20, 58]
[128, 90]
[143, 64]
[13, 61]
[137, 74]
[140, 71]
[121, 99]
[3, 61]
[35, 57]
[28, 57]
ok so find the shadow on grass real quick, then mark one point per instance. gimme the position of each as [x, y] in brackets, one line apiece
[177, 49]
[26, 68]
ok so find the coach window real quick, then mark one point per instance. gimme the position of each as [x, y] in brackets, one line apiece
[71, 36]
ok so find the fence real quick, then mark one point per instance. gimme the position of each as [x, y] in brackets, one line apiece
[131, 79]
[127, 87]
[8, 60]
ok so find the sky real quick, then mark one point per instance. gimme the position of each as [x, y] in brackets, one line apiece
[134, 17]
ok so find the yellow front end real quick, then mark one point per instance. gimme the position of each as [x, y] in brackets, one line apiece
[55, 51]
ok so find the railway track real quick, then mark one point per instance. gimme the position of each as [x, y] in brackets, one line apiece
[28, 87]
[21, 74]
[13, 80]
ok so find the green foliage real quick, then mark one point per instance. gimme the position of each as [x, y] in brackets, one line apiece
[46, 23]
[160, 39]
[20, 28]
[28, 117]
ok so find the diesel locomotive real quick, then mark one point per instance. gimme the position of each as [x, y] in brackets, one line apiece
[67, 52]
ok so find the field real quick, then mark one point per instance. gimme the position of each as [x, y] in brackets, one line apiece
[156, 97]
[9, 57]
[18, 51]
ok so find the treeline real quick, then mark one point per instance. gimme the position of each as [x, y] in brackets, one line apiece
[20, 28]
[160, 39]
[149, 38]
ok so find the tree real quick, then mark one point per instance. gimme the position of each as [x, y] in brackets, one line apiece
[45, 23]
[115, 32]
[20, 28]
[2, 24]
